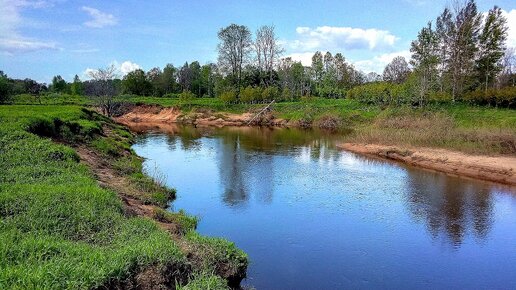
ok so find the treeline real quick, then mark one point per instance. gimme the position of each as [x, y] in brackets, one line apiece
[461, 56]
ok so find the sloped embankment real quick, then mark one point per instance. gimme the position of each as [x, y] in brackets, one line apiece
[77, 212]
[201, 117]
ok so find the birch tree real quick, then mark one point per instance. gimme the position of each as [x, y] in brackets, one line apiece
[425, 60]
[268, 50]
[491, 47]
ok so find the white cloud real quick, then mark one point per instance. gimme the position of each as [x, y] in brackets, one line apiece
[127, 67]
[378, 63]
[511, 23]
[304, 57]
[14, 45]
[121, 69]
[11, 41]
[341, 38]
[99, 19]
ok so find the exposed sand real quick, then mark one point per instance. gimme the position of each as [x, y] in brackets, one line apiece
[501, 169]
[156, 114]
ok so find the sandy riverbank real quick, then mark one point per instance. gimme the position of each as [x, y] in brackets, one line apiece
[501, 169]
[158, 114]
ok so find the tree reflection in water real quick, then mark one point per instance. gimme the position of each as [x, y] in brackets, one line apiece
[450, 207]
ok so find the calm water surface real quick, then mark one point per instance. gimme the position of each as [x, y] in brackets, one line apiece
[313, 217]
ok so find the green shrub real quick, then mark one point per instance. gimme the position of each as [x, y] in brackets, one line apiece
[171, 96]
[187, 96]
[250, 95]
[504, 97]
[270, 93]
[228, 97]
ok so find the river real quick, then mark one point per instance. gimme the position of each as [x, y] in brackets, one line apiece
[311, 216]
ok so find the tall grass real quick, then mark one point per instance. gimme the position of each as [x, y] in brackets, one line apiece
[436, 129]
[60, 230]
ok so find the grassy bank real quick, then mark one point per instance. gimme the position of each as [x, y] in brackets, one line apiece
[466, 128]
[60, 230]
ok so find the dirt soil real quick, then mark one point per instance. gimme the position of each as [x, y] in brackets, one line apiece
[157, 114]
[109, 178]
[500, 169]
[152, 277]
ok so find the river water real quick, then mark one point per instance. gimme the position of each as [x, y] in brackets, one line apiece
[313, 217]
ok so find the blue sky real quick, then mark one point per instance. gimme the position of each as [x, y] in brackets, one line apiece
[43, 38]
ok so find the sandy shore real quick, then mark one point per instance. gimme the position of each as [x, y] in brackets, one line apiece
[501, 169]
[158, 114]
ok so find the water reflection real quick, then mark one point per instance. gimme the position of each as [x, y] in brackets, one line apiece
[297, 205]
[450, 207]
[232, 165]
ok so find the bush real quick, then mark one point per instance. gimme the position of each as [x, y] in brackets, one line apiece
[270, 93]
[171, 95]
[228, 97]
[250, 94]
[504, 97]
[5, 89]
[383, 93]
[440, 97]
[186, 96]
[287, 95]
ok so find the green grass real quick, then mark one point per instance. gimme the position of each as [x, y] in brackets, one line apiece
[205, 282]
[462, 127]
[185, 222]
[58, 228]
[216, 255]
[50, 99]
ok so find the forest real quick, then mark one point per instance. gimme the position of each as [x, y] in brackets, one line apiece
[461, 56]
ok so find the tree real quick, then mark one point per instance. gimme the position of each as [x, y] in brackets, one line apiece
[5, 88]
[396, 71]
[208, 78]
[329, 81]
[373, 77]
[103, 88]
[169, 79]
[76, 86]
[136, 83]
[425, 59]
[508, 63]
[444, 31]
[185, 77]
[491, 47]
[58, 84]
[464, 32]
[234, 50]
[196, 84]
[317, 68]
[267, 50]
[154, 77]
